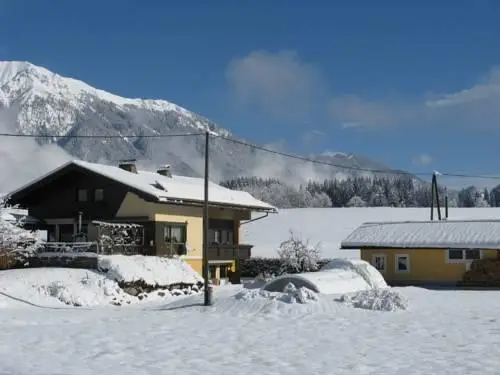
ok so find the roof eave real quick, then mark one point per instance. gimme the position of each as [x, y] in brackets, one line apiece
[422, 247]
[215, 204]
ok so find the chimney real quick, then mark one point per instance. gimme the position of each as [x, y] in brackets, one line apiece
[128, 165]
[165, 170]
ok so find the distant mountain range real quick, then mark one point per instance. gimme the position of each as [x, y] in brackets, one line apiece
[34, 100]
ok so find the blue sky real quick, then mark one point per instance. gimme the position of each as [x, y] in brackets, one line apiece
[414, 85]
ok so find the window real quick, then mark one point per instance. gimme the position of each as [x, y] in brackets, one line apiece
[175, 238]
[221, 232]
[82, 195]
[379, 261]
[98, 195]
[461, 255]
[402, 263]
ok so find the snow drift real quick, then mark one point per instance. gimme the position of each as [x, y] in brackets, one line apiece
[290, 294]
[376, 299]
[51, 287]
[364, 269]
[337, 277]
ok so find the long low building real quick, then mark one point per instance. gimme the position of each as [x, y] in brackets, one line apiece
[425, 252]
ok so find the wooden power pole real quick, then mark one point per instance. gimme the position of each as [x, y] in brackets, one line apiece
[207, 290]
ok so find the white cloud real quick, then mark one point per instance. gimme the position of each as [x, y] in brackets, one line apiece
[278, 83]
[23, 159]
[351, 111]
[477, 106]
[487, 88]
[423, 159]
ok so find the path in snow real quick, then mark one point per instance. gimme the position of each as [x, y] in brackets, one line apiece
[445, 332]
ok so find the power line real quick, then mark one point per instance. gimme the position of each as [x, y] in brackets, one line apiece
[320, 162]
[253, 146]
[20, 135]
[386, 171]
[459, 175]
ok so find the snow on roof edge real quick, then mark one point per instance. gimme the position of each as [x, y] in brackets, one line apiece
[439, 234]
[262, 206]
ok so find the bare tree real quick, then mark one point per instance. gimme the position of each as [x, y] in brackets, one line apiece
[298, 255]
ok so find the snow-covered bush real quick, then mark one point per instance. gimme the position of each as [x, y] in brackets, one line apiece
[253, 267]
[290, 294]
[297, 255]
[376, 299]
[16, 241]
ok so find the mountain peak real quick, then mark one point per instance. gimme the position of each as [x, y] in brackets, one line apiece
[28, 85]
[9, 69]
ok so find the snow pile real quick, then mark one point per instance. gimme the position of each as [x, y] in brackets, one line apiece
[364, 269]
[376, 299]
[290, 294]
[153, 271]
[52, 287]
[338, 281]
[88, 291]
[128, 279]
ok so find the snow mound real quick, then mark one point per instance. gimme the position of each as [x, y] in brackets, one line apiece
[291, 295]
[88, 291]
[338, 281]
[364, 269]
[376, 299]
[148, 269]
[54, 287]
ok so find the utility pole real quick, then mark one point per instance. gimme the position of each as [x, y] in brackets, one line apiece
[435, 195]
[207, 289]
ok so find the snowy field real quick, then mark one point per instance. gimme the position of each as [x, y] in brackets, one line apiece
[331, 225]
[248, 330]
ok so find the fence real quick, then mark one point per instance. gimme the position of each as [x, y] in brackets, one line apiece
[66, 254]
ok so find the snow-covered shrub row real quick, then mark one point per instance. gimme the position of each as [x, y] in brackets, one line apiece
[254, 267]
[290, 294]
[140, 274]
[384, 299]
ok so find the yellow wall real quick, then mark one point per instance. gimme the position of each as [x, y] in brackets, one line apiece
[133, 205]
[426, 266]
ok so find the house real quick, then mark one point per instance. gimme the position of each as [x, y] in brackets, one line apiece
[72, 198]
[425, 252]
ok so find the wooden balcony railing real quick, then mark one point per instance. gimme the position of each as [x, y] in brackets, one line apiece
[229, 252]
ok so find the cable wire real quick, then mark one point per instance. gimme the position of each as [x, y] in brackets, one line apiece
[319, 162]
[386, 171]
[20, 135]
[256, 147]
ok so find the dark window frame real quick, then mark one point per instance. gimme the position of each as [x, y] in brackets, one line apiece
[465, 255]
[175, 247]
[97, 197]
[81, 198]
[221, 232]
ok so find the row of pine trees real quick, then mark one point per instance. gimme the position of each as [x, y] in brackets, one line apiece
[397, 191]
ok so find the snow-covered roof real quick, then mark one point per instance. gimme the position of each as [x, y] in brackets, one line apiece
[174, 189]
[469, 234]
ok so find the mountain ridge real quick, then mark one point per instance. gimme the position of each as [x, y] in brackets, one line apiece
[35, 100]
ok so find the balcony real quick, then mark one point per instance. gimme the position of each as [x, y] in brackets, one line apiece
[229, 252]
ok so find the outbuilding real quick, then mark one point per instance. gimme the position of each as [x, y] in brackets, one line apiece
[425, 252]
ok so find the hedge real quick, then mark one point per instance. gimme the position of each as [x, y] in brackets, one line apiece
[254, 266]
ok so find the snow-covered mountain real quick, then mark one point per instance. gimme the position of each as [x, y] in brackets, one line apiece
[34, 100]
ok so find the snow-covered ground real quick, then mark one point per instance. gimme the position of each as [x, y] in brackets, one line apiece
[331, 225]
[249, 330]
